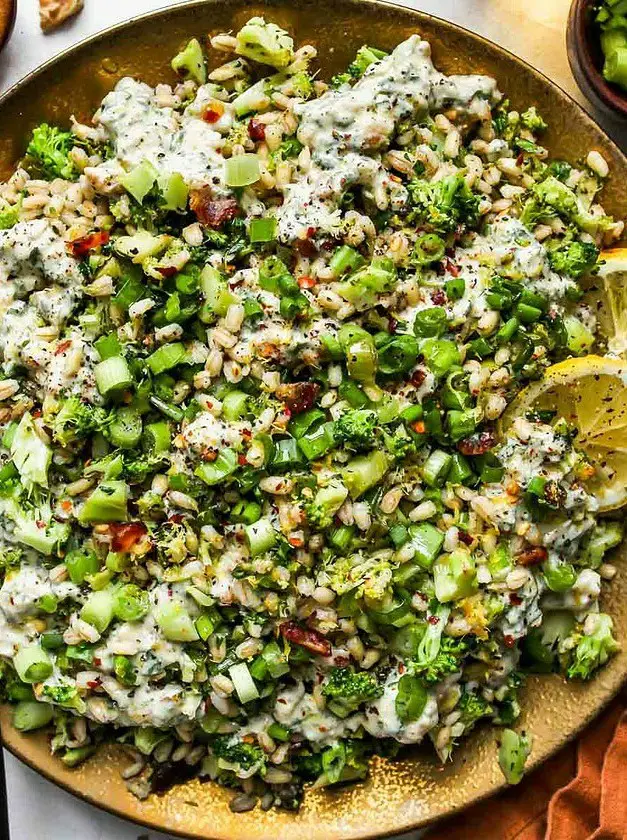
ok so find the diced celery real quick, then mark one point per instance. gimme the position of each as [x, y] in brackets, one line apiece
[317, 443]
[243, 682]
[242, 170]
[455, 576]
[436, 467]
[32, 664]
[261, 536]
[98, 609]
[166, 357]
[139, 181]
[174, 191]
[255, 98]
[213, 472]
[234, 405]
[426, 540]
[275, 660]
[80, 563]
[107, 503]
[216, 291]
[175, 623]
[107, 346]
[364, 472]
[190, 62]
[262, 230]
[112, 375]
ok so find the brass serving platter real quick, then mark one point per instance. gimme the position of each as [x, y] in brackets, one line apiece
[415, 790]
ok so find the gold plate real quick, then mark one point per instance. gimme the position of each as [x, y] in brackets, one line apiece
[403, 794]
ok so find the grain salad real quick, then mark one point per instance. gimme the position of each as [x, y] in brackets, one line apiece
[262, 514]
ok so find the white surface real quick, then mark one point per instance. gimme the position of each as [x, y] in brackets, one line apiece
[533, 29]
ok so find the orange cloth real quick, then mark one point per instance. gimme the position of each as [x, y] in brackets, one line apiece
[579, 794]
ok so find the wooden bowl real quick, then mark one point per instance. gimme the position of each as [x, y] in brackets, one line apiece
[415, 789]
[586, 59]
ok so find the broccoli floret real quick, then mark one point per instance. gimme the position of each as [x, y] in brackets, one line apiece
[552, 197]
[8, 216]
[77, 419]
[137, 469]
[238, 754]
[448, 661]
[49, 148]
[356, 69]
[560, 169]
[603, 537]
[532, 120]
[190, 62]
[594, 649]
[356, 428]
[301, 85]
[289, 148]
[265, 42]
[347, 689]
[399, 445]
[327, 501]
[445, 204]
[573, 257]
[63, 694]
[473, 707]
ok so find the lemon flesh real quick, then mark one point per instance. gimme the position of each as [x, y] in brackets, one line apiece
[591, 394]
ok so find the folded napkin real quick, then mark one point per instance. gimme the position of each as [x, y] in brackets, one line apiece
[579, 794]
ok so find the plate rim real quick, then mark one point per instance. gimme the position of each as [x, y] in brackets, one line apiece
[418, 15]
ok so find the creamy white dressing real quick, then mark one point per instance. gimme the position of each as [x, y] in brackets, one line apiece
[382, 721]
[347, 129]
[141, 130]
[31, 254]
[297, 710]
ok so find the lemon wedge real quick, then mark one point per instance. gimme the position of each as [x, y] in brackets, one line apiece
[591, 394]
[607, 294]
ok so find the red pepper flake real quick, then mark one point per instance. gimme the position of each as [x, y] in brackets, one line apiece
[256, 130]
[298, 396]
[247, 433]
[62, 347]
[520, 159]
[392, 325]
[296, 542]
[125, 535]
[418, 377]
[515, 599]
[241, 460]
[309, 639]
[212, 212]
[433, 619]
[452, 267]
[83, 245]
[532, 556]
[208, 455]
[439, 297]
[478, 444]
[419, 427]
[510, 641]
[66, 505]
[465, 538]
[93, 684]
[306, 282]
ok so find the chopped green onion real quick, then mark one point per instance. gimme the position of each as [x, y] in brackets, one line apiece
[131, 603]
[107, 346]
[345, 259]
[172, 411]
[32, 664]
[427, 541]
[29, 715]
[431, 322]
[429, 248]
